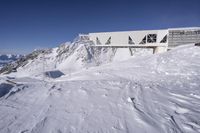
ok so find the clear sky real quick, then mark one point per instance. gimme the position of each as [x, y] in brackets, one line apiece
[26, 25]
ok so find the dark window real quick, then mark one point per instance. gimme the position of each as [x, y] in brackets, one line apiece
[98, 41]
[164, 40]
[198, 32]
[143, 40]
[151, 38]
[130, 40]
[108, 41]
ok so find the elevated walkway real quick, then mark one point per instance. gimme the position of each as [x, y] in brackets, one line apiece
[157, 48]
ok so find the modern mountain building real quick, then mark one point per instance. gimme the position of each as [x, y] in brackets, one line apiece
[159, 40]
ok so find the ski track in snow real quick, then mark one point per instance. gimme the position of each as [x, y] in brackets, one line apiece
[103, 106]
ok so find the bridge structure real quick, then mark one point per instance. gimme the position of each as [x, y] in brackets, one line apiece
[155, 47]
[158, 40]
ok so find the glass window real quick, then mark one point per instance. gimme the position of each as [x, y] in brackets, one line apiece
[98, 41]
[130, 40]
[143, 40]
[151, 38]
[108, 41]
[164, 40]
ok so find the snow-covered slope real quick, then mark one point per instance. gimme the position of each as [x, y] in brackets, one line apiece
[69, 58]
[157, 94]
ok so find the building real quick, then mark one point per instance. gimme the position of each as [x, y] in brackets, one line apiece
[159, 40]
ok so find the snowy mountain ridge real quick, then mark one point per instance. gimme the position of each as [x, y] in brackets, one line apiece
[8, 58]
[68, 57]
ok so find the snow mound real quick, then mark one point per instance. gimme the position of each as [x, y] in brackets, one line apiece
[157, 93]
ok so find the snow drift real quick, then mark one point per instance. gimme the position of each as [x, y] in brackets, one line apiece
[157, 93]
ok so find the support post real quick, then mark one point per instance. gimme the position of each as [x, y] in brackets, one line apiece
[131, 52]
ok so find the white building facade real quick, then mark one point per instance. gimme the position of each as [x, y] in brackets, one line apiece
[160, 40]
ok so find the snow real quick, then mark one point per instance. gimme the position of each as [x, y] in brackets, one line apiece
[152, 93]
[122, 54]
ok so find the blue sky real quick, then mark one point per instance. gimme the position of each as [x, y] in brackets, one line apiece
[26, 25]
